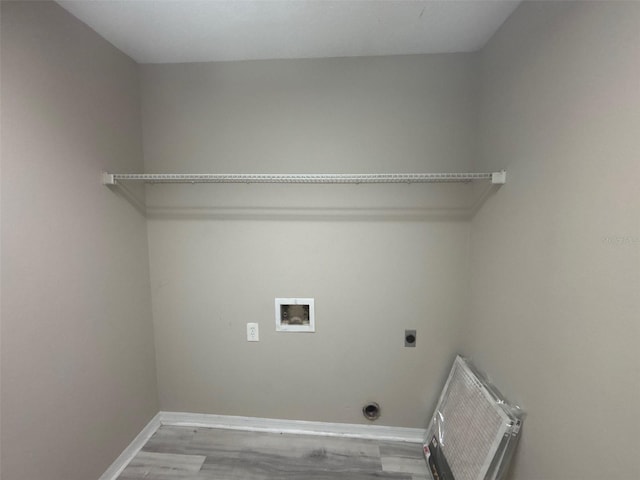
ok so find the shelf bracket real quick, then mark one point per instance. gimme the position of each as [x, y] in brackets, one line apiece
[499, 178]
[108, 178]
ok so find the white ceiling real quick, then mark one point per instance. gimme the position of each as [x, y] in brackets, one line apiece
[174, 31]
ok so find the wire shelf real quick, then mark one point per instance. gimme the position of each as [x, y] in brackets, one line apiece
[495, 177]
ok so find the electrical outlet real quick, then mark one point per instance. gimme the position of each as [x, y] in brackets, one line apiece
[253, 334]
[409, 338]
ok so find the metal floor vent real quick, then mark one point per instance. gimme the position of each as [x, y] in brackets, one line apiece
[473, 430]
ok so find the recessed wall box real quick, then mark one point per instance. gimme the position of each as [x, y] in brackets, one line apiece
[295, 315]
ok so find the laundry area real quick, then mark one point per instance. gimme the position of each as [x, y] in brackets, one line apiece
[319, 240]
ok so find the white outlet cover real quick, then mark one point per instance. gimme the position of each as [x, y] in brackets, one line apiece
[253, 333]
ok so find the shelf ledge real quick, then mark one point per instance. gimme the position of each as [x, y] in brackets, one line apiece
[496, 178]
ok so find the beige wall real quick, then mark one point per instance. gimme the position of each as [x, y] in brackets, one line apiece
[555, 267]
[78, 375]
[555, 253]
[376, 258]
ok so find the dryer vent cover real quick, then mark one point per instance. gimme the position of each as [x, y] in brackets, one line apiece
[473, 430]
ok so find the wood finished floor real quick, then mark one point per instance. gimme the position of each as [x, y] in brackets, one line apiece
[216, 454]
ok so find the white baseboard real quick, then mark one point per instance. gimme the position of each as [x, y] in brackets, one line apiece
[132, 450]
[300, 427]
[252, 424]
